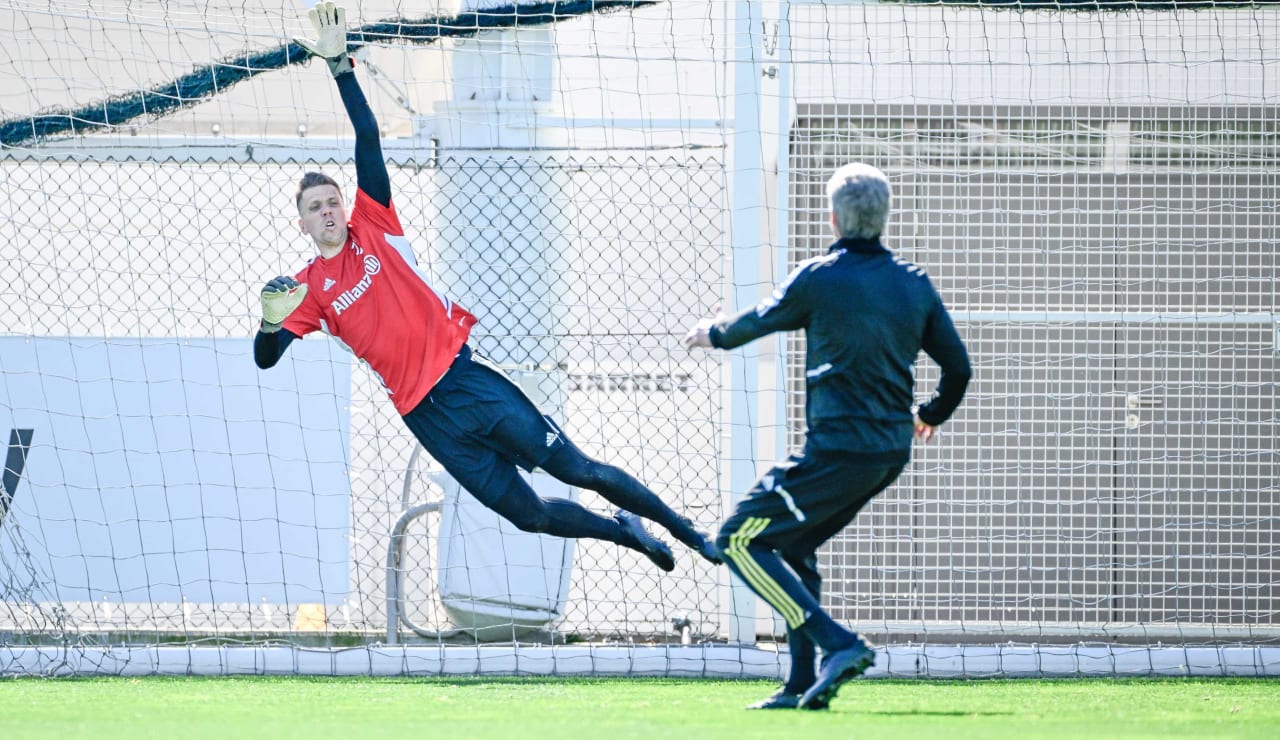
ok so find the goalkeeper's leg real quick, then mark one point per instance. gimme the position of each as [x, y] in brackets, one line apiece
[497, 484]
[500, 487]
[570, 465]
[481, 426]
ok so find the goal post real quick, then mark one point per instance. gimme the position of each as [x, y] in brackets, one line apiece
[1091, 190]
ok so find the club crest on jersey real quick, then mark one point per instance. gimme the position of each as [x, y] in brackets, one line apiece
[348, 297]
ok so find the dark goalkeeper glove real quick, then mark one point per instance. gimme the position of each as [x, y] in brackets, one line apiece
[280, 296]
[330, 22]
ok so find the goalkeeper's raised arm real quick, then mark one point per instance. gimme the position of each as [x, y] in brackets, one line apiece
[330, 44]
[321, 207]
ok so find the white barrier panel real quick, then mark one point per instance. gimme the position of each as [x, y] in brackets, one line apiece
[702, 661]
[698, 661]
[169, 470]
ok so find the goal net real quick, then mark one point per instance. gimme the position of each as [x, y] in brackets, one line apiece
[1091, 189]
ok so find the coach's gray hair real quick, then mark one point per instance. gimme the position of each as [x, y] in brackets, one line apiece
[859, 195]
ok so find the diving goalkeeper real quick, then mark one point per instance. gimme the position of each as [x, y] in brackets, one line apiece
[364, 289]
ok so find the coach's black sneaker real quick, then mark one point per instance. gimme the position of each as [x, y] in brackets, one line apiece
[781, 699]
[638, 538]
[837, 669]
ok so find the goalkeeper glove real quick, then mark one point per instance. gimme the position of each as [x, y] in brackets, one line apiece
[280, 296]
[330, 22]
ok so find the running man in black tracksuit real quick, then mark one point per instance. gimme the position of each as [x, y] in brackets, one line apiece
[866, 315]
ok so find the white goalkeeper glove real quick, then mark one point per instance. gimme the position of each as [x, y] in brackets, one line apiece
[280, 296]
[330, 22]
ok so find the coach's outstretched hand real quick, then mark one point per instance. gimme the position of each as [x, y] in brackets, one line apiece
[700, 334]
[280, 296]
[330, 22]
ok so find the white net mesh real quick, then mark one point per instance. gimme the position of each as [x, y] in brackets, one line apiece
[1092, 193]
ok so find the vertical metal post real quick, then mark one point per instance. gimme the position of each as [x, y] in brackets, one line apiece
[782, 110]
[746, 170]
[782, 215]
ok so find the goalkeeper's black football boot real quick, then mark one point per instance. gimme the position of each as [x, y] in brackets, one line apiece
[695, 539]
[838, 669]
[638, 538]
[708, 550]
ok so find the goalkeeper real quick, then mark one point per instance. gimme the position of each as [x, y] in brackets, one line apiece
[364, 290]
[866, 316]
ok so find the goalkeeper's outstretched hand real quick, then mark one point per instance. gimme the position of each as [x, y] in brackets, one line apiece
[280, 296]
[330, 22]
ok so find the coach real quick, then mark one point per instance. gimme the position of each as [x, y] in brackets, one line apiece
[866, 314]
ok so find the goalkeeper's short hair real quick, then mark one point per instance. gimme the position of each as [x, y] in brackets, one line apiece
[311, 180]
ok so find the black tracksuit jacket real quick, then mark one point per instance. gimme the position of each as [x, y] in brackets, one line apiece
[866, 315]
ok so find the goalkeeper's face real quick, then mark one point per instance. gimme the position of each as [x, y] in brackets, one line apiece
[323, 216]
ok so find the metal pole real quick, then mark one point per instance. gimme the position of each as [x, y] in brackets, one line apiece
[746, 163]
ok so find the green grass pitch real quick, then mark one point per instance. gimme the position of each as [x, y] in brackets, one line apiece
[619, 709]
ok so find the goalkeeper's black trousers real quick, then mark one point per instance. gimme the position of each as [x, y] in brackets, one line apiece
[481, 427]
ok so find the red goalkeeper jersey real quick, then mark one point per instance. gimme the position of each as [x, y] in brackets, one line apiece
[372, 298]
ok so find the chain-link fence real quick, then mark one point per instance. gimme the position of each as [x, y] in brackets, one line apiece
[1113, 468]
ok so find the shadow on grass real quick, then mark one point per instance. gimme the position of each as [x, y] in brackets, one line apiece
[927, 713]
